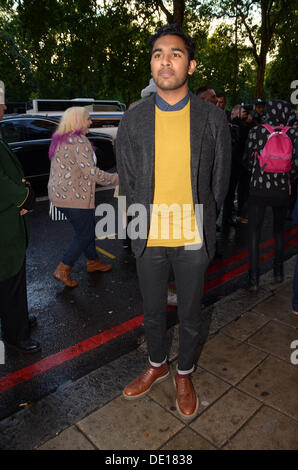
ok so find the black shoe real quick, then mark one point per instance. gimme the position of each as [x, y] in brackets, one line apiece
[278, 272]
[253, 283]
[278, 278]
[253, 288]
[27, 346]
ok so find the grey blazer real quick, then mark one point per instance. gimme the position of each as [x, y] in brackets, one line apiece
[210, 161]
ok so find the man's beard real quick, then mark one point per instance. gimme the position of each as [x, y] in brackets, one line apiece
[170, 86]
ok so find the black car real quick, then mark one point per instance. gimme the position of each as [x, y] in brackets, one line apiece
[29, 138]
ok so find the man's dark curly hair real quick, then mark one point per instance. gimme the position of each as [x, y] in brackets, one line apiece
[176, 31]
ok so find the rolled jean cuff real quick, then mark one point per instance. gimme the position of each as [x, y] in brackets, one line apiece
[157, 364]
[185, 372]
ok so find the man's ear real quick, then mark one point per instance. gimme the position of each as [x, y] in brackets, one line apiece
[192, 67]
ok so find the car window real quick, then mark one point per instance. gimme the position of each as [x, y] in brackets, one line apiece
[39, 129]
[97, 123]
[13, 130]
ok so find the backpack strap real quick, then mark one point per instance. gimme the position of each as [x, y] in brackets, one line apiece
[269, 128]
[285, 129]
[282, 129]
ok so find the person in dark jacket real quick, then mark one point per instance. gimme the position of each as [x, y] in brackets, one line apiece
[239, 132]
[16, 201]
[173, 149]
[259, 114]
[222, 103]
[268, 189]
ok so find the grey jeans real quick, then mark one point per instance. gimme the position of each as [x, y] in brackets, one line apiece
[189, 268]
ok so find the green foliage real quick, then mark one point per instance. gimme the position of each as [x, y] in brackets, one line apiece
[282, 71]
[86, 48]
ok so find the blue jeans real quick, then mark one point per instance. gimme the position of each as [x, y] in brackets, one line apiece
[83, 222]
[295, 288]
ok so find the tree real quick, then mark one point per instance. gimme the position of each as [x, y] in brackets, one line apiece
[282, 70]
[261, 34]
[272, 13]
[215, 65]
[15, 64]
[71, 48]
[173, 10]
[178, 11]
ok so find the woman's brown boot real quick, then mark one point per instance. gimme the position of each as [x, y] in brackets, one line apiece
[96, 265]
[62, 273]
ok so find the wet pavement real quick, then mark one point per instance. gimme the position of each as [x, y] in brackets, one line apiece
[69, 395]
[245, 380]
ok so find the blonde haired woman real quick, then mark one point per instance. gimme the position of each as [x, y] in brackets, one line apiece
[71, 189]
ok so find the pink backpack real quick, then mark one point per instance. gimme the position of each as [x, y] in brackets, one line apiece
[276, 156]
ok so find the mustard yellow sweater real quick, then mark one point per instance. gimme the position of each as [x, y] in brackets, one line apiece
[173, 219]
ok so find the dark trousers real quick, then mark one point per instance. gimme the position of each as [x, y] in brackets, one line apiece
[83, 223]
[14, 308]
[255, 221]
[189, 268]
[228, 205]
[239, 179]
[243, 193]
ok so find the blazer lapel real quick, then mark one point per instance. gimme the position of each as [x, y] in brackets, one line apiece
[198, 121]
[148, 118]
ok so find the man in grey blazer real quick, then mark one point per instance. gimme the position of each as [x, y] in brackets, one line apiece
[173, 148]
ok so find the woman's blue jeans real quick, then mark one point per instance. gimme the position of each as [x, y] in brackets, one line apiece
[83, 222]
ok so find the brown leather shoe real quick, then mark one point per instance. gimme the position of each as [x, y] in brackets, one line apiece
[187, 402]
[62, 273]
[142, 384]
[96, 265]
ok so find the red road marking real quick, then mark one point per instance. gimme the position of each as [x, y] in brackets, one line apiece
[67, 354]
[244, 254]
[54, 360]
[243, 268]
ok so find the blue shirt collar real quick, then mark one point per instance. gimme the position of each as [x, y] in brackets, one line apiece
[164, 106]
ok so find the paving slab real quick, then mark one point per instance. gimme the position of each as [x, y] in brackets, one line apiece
[208, 388]
[70, 439]
[233, 306]
[286, 289]
[245, 381]
[279, 308]
[130, 425]
[245, 326]
[187, 439]
[267, 430]
[275, 338]
[225, 417]
[43, 420]
[230, 359]
[275, 383]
